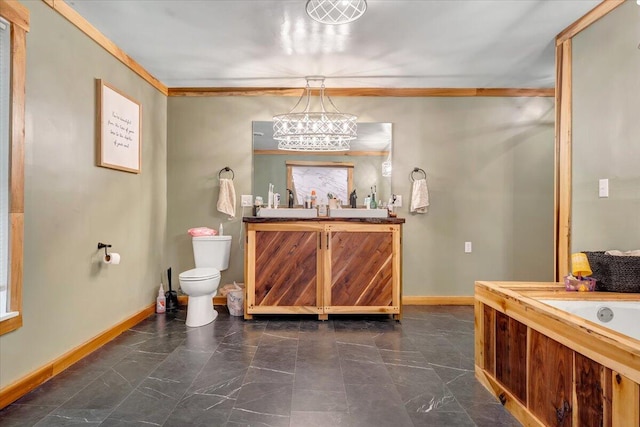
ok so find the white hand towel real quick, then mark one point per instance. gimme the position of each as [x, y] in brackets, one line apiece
[621, 253]
[227, 197]
[419, 196]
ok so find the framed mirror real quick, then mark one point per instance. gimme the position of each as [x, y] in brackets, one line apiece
[367, 165]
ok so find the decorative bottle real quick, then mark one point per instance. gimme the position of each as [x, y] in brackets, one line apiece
[313, 199]
[322, 209]
[161, 301]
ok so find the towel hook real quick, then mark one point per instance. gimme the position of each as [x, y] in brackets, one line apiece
[418, 170]
[226, 169]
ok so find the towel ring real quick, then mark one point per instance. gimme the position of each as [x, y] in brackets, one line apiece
[226, 169]
[418, 170]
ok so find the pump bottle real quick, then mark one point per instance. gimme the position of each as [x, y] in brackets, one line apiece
[313, 199]
[161, 301]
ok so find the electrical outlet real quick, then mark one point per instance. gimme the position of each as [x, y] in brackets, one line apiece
[246, 200]
[467, 247]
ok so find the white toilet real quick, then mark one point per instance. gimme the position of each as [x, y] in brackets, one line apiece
[211, 254]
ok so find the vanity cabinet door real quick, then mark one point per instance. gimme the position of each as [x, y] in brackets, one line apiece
[283, 269]
[362, 267]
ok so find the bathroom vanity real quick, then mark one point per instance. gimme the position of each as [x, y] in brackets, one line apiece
[323, 266]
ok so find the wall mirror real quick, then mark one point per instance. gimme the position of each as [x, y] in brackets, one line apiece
[366, 166]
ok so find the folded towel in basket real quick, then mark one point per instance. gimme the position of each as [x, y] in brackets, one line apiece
[419, 196]
[227, 197]
[620, 253]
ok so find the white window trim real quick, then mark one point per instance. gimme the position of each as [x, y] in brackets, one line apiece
[5, 119]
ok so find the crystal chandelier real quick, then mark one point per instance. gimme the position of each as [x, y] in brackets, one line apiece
[314, 130]
[336, 11]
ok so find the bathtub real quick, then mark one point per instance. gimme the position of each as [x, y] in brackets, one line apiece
[621, 316]
[547, 356]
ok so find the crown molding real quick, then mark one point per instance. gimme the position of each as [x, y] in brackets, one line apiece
[380, 92]
[586, 20]
[92, 32]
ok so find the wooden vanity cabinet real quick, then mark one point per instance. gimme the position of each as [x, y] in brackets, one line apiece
[323, 267]
[362, 267]
[283, 269]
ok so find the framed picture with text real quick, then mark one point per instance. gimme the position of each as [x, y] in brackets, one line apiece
[119, 122]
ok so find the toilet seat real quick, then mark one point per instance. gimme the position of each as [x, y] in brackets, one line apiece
[199, 274]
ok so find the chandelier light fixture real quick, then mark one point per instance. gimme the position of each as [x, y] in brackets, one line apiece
[336, 11]
[306, 130]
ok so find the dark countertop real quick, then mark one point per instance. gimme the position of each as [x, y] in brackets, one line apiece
[258, 220]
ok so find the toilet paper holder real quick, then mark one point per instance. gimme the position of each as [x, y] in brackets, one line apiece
[105, 246]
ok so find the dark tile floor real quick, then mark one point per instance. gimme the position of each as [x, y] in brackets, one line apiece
[274, 371]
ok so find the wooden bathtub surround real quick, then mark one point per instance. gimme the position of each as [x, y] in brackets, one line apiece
[549, 367]
[323, 266]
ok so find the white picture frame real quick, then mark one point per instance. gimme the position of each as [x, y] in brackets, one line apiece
[118, 129]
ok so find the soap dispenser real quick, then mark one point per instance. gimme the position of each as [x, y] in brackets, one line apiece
[289, 198]
[161, 301]
[353, 199]
[313, 200]
[322, 209]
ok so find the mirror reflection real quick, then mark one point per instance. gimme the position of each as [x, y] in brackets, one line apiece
[365, 168]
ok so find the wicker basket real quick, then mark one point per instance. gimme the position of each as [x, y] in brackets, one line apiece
[615, 273]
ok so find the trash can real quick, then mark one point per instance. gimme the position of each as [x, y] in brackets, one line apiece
[235, 302]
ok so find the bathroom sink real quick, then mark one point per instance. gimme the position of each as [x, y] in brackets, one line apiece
[358, 213]
[287, 213]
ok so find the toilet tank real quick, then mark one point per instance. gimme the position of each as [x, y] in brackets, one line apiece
[211, 251]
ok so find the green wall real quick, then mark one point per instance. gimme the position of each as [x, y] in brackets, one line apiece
[489, 163]
[606, 132]
[70, 204]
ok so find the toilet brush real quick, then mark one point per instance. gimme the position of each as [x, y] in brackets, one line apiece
[171, 295]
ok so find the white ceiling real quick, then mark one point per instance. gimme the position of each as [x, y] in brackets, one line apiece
[396, 44]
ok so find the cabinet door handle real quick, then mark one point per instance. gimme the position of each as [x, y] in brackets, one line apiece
[320, 241]
[327, 241]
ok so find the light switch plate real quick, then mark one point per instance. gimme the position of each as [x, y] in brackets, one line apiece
[603, 188]
[246, 200]
[398, 202]
[467, 247]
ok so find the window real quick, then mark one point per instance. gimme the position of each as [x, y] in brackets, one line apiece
[14, 23]
[5, 111]
[324, 178]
